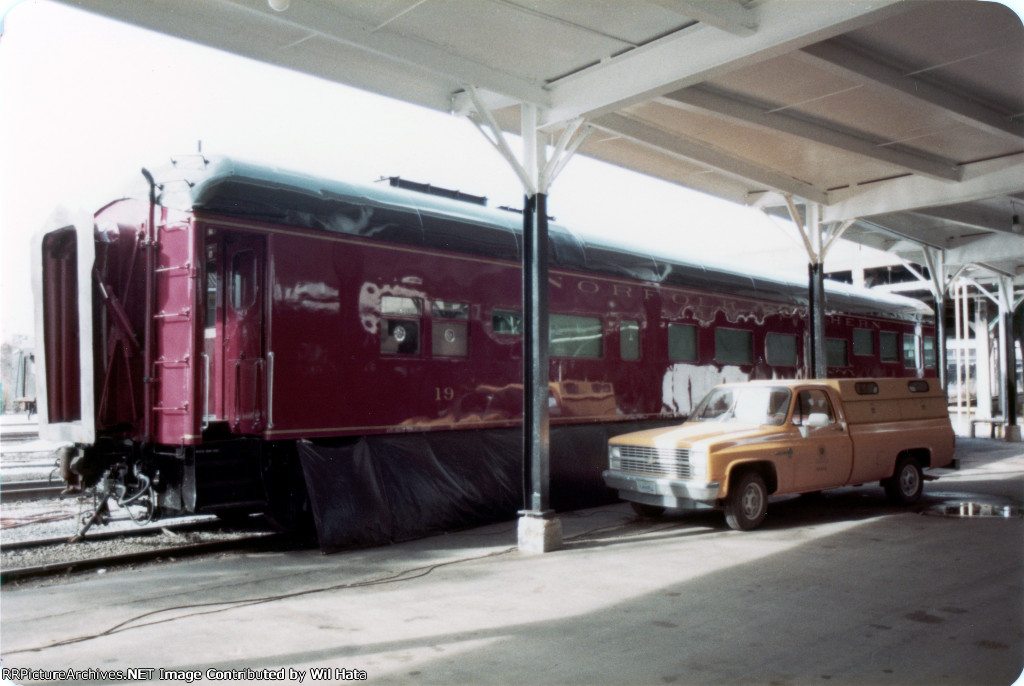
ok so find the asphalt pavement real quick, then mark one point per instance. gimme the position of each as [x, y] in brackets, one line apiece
[839, 589]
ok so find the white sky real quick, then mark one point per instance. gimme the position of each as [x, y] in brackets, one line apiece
[85, 103]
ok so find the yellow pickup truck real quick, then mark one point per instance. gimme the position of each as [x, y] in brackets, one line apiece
[745, 442]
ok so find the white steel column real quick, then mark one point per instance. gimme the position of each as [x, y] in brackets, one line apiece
[982, 360]
[983, 373]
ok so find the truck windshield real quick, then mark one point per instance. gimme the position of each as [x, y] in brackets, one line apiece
[759, 405]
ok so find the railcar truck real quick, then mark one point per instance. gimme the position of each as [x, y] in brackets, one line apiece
[745, 442]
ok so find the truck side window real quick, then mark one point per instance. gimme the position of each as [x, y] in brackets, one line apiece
[812, 402]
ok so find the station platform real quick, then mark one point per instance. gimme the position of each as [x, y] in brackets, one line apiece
[840, 589]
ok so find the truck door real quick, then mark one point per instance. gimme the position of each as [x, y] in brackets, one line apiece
[244, 358]
[825, 457]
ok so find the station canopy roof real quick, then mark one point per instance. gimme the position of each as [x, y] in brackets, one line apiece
[905, 116]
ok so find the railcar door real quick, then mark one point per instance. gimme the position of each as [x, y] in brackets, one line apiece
[245, 372]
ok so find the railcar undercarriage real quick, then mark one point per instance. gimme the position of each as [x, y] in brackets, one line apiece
[229, 478]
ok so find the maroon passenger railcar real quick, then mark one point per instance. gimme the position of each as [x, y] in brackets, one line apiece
[248, 339]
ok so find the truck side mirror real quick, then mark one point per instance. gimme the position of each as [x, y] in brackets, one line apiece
[815, 420]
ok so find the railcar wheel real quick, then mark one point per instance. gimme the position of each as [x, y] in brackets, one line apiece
[746, 506]
[904, 487]
[288, 507]
[648, 511]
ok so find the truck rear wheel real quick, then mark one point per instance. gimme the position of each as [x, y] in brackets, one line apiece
[904, 487]
[747, 503]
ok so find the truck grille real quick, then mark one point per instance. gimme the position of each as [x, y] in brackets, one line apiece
[669, 462]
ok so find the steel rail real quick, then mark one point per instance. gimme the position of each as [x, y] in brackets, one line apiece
[29, 490]
[19, 435]
[161, 526]
[186, 550]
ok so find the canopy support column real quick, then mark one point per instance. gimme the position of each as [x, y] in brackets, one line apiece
[982, 360]
[539, 530]
[1003, 298]
[817, 241]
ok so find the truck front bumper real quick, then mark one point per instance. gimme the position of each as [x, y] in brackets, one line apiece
[651, 490]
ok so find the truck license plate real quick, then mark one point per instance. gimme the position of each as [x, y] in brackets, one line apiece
[647, 487]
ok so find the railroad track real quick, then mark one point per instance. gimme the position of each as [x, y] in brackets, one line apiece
[19, 436]
[33, 559]
[29, 490]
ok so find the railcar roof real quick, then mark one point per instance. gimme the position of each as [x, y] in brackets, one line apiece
[233, 187]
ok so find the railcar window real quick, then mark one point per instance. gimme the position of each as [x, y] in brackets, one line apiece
[211, 286]
[507, 322]
[399, 305]
[629, 340]
[863, 342]
[910, 351]
[573, 336]
[888, 346]
[682, 343]
[399, 337]
[209, 356]
[448, 310]
[734, 346]
[449, 339]
[780, 349]
[836, 352]
[243, 279]
[930, 360]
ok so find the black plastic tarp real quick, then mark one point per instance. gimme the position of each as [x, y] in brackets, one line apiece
[375, 490]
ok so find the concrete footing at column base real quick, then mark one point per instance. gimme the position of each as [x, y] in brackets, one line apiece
[539, 532]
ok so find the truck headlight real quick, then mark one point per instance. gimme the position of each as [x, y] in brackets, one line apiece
[698, 464]
[614, 456]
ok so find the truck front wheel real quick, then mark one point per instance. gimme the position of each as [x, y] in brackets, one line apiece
[904, 487]
[747, 503]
